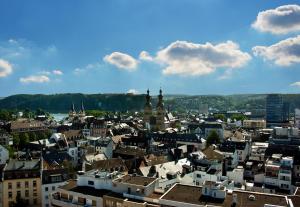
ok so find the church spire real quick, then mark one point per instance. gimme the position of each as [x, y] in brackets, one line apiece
[72, 107]
[148, 98]
[82, 107]
[160, 99]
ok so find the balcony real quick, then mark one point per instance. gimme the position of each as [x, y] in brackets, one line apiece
[57, 200]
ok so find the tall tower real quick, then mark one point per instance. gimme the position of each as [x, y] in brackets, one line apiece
[82, 111]
[147, 109]
[72, 111]
[160, 112]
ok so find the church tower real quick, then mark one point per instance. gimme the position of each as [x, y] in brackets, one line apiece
[82, 111]
[160, 112]
[147, 110]
[72, 112]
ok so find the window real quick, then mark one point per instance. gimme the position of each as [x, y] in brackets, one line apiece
[18, 185]
[9, 186]
[34, 194]
[56, 178]
[90, 182]
[198, 175]
[18, 194]
[34, 183]
[46, 197]
[53, 188]
[35, 201]
[26, 184]
[9, 194]
[46, 189]
[27, 193]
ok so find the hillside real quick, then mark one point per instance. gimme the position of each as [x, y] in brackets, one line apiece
[124, 102]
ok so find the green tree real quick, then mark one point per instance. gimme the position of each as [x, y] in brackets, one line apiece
[5, 115]
[212, 138]
[11, 151]
[220, 116]
[24, 139]
[238, 117]
[32, 136]
[16, 139]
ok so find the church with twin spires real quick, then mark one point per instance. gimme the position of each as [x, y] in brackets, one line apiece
[154, 121]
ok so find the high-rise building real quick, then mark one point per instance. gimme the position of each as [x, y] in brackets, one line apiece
[276, 110]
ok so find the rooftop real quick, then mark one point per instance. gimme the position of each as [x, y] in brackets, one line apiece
[72, 186]
[136, 180]
[193, 195]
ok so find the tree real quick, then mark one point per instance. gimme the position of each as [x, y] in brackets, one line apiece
[11, 151]
[32, 136]
[24, 139]
[5, 115]
[238, 117]
[16, 139]
[220, 116]
[212, 138]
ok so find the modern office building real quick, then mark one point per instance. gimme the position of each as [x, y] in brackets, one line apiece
[277, 112]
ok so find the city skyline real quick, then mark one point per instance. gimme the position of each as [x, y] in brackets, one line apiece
[207, 47]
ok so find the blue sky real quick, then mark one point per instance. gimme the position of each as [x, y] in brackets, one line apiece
[190, 47]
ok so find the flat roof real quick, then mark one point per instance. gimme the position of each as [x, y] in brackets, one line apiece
[193, 195]
[136, 180]
[86, 190]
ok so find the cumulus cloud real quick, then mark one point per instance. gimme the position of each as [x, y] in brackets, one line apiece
[133, 91]
[35, 79]
[282, 20]
[5, 68]
[121, 60]
[57, 72]
[192, 59]
[297, 84]
[283, 53]
[144, 55]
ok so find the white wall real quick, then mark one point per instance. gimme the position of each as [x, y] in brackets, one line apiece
[4, 155]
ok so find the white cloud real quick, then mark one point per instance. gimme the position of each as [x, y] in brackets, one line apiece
[226, 75]
[57, 72]
[282, 20]
[283, 53]
[133, 91]
[144, 55]
[297, 84]
[35, 79]
[78, 71]
[192, 59]
[44, 72]
[5, 68]
[121, 60]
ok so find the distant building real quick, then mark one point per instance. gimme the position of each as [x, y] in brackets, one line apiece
[154, 122]
[203, 108]
[254, 124]
[22, 126]
[277, 112]
[98, 128]
[80, 114]
[297, 118]
[5, 138]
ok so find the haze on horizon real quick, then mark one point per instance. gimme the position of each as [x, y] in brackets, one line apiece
[191, 47]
